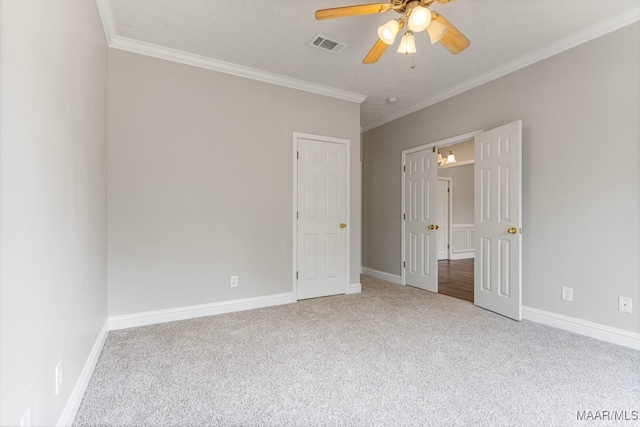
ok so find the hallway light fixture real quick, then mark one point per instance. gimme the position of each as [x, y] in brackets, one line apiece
[445, 160]
[451, 158]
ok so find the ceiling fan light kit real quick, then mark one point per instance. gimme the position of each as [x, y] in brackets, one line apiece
[415, 14]
[408, 43]
[419, 19]
[436, 30]
[388, 32]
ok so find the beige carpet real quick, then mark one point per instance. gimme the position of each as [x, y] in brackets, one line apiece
[390, 356]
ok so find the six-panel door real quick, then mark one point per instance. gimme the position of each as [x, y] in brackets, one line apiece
[421, 204]
[322, 218]
[498, 206]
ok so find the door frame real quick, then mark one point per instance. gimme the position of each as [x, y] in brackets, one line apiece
[450, 212]
[294, 219]
[438, 144]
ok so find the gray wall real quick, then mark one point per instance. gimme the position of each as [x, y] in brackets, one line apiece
[201, 182]
[462, 192]
[580, 206]
[53, 110]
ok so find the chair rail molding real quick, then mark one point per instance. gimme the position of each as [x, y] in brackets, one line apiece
[462, 241]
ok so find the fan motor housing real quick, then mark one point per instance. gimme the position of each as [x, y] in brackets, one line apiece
[401, 6]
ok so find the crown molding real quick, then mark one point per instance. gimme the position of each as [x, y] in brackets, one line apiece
[182, 57]
[108, 23]
[148, 49]
[587, 34]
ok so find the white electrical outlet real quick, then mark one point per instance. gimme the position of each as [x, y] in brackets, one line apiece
[625, 305]
[58, 377]
[234, 281]
[567, 293]
[25, 420]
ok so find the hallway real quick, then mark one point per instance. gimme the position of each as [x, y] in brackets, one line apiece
[455, 278]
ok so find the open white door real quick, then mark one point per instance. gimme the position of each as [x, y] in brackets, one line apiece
[420, 220]
[498, 218]
[322, 218]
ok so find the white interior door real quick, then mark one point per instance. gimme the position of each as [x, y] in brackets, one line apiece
[322, 219]
[444, 192]
[498, 218]
[420, 220]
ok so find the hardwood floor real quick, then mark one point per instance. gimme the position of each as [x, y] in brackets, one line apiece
[455, 278]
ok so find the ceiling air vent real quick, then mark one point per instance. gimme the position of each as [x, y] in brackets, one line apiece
[321, 42]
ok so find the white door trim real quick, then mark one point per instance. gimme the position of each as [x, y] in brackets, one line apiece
[441, 143]
[450, 216]
[294, 159]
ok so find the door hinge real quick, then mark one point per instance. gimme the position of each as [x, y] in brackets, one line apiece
[297, 215]
[448, 190]
[447, 246]
[297, 154]
[296, 275]
[404, 168]
[434, 149]
[404, 264]
[404, 216]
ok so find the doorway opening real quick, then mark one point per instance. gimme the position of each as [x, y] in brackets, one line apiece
[456, 221]
[497, 216]
[427, 232]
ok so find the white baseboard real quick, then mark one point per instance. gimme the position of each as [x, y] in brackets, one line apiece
[77, 394]
[463, 255]
[160, 316]
[354, 288]
[201, 310]
[382, 275]
[583, 327]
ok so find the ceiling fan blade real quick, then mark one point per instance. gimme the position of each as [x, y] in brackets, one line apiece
[363, 9]
[453, 39]
[375, 53]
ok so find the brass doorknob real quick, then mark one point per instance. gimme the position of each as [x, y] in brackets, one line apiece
[431, 227]
[437, 227]
[512, 230]
[343, 225]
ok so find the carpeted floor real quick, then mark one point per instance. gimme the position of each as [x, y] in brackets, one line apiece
[390, 356]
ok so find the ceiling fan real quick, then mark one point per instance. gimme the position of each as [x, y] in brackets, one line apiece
[415, 14]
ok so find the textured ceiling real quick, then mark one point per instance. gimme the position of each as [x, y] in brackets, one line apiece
[272, 36]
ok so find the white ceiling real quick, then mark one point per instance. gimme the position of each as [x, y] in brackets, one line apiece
[272, 36]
